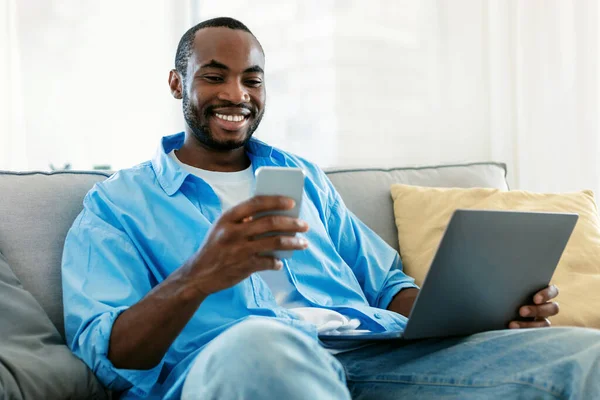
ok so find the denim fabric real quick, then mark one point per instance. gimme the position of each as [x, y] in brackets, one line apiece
[261, 358]
[267, 360]
[555, 363]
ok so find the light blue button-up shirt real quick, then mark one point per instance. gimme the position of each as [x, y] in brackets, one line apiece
[143, 223]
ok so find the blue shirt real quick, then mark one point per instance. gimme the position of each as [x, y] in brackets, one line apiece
[143, 223]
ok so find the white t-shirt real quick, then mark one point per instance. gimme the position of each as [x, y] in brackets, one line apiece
[233, 188]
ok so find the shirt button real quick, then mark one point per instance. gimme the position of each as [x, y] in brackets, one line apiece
[377, 315]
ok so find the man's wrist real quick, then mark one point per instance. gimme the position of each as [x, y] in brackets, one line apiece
[185, 287]
[403, 301]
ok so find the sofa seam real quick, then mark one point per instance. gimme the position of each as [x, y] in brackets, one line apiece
[49, 173]
[339, 170]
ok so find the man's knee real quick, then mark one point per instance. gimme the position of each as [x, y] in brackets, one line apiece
[258, 354]
[257, 334]
[255, 346]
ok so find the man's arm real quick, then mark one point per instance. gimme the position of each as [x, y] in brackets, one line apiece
[403, 301]
[118, 324]
[375, 264]
[142, 334]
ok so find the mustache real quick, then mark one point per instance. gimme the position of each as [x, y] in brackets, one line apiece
[209, 110]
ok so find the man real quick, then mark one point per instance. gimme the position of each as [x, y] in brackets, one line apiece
[166, 293]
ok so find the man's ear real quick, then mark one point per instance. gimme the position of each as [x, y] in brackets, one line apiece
[176, 84]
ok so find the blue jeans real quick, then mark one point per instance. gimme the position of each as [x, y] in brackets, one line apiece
[264, 359]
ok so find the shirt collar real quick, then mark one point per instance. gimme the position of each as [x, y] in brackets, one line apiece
[171, 176]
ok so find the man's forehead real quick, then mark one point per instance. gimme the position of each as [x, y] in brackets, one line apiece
[235, 48]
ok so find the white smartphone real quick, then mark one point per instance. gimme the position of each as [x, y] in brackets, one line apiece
[280, 181]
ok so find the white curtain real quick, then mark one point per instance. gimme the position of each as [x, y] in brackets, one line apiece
[543, 62]
[85, 82]
[350, 82]
[12, 144]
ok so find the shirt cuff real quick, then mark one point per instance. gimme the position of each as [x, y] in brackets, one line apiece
[117, 379]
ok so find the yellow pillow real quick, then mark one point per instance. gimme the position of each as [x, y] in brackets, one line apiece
[422, 214]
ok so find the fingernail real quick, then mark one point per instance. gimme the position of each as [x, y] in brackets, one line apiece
[525, 312]
[278, 265]
[514, 325]
[302, 241]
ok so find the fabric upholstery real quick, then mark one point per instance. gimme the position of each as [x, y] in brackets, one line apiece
[422, 214]
[36, 211]
[34, 361]
[367, 191]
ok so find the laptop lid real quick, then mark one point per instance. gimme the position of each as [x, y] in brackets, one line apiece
[488, 264]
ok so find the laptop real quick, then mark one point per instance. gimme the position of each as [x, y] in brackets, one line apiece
[488, 264]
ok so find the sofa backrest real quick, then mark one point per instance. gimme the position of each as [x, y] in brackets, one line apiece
[367, 191]
[37, 209]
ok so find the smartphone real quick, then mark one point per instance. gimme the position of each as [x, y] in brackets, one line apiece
[280, 181]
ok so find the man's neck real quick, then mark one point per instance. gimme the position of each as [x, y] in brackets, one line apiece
[199, 156]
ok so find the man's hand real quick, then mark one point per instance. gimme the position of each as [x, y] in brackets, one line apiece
[542, 308]
[231, 251]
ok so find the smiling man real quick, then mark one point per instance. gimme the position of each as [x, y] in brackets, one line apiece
[167, 295]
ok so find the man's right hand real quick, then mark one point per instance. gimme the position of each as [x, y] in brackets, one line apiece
[231, 251]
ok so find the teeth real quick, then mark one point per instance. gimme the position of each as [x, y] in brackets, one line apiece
[232, 118]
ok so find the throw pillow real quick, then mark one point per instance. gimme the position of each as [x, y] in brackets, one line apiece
[34, 361]
[422, 214]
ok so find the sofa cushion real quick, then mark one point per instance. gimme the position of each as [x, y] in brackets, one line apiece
[34, 361]
[422, 215]
[367, 191]
[36, 211]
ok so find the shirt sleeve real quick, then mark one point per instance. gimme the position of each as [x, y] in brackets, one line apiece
[103, 274]
[376, 265]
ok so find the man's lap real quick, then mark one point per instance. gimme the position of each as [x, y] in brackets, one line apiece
[543, 362]
[540, 363]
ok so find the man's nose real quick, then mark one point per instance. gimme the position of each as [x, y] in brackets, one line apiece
[235, 92]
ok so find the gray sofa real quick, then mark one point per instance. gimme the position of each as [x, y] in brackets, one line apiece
[37, 209]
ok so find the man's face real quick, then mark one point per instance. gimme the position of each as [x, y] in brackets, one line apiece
[224, 92]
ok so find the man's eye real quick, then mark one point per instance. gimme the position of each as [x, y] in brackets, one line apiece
[253, 82]
[212, 78]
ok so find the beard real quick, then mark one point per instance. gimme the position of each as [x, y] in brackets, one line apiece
[201, 131]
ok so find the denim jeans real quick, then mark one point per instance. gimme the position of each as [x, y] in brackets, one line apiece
[264, 359]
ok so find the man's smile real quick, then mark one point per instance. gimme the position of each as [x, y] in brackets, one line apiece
[231, 119]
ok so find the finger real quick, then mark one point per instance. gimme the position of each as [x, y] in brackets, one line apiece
[272, 243]
[543, 310]
[542, 323]
[255, 205]
[273, 223]
[545, 295]
[264, 263]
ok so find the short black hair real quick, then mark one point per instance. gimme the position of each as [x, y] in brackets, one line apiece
[186, 43]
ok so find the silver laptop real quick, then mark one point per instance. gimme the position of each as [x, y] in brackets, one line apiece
[487, 265]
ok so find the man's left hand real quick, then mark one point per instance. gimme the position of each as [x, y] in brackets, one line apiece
[542, 308]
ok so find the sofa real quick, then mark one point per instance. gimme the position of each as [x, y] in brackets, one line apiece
[36, 211]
